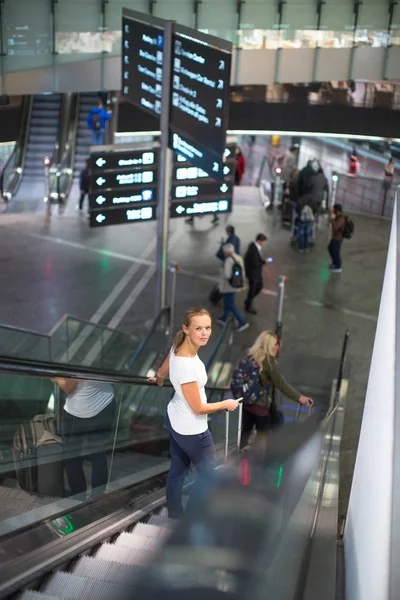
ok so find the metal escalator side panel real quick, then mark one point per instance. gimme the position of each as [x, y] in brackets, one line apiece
[12, 172]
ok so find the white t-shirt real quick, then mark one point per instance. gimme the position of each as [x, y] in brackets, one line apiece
[185, 370]
[89, 398]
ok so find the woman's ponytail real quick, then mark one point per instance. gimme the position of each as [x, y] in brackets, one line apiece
[178, 341]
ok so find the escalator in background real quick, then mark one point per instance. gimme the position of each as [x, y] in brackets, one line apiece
[41, 142]
[260, 529]
[11, 173]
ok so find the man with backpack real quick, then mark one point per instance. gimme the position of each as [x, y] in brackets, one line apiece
[231, 282]
[97, 119]
[342, 227]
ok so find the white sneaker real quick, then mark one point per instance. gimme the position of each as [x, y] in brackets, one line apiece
[242, 328]
[336, 270]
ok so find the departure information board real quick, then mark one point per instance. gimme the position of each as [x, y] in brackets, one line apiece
[199, 100]
[142, 64]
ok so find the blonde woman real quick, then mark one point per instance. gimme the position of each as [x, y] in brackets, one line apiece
[187, 425]
[255, 379]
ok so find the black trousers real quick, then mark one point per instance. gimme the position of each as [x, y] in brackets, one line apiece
[255, 287]
[250, 420]
[82, 198]
[334, 248]
[87, 438]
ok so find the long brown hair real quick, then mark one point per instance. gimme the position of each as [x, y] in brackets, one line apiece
[196, 311]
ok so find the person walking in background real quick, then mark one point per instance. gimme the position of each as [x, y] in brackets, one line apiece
[289, 164]
[254, 262]
[255, 379]
[86, 424]
[338, 224]
[239, 166]
[232, 238]
[319, 190]
[305, 227]
[304, 179]
[230, 284]
[389, 173]
[97, 119]
[354, 163]
[84, 184]
[186, 420]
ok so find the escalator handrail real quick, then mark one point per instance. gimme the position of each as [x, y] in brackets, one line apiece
[145, 341]
[35, 368]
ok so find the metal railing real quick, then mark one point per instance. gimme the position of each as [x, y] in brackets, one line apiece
[369, 195]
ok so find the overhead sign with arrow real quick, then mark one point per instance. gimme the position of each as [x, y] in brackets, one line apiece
[200, 189]
[121, 216]
[198, 207]
[129, 196]
[123, 161]
[116, 180]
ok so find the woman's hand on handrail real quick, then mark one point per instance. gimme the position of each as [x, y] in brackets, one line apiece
[157, 380]
[305, 401]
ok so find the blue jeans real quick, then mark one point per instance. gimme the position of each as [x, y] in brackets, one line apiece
[97, 137]
[229, 307]
[87, 438]
[184, 449]
[305, 232]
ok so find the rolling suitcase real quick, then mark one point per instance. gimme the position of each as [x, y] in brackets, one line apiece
[38, 457]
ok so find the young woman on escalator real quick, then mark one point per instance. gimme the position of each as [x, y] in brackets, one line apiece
[186, 420]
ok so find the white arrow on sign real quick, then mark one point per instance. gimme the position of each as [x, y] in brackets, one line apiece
[100, 218]
[227, 152]
[226, 170]
[180, 210]
[224, 188]
[100, 162]
[100, 181]
[100, 200]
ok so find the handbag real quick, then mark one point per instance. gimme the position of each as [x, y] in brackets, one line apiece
[215, 295]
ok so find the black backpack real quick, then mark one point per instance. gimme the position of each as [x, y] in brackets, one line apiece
[96, 121]
[236, 279]
[348, 228]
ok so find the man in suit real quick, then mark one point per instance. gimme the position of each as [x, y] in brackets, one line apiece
[254, 262]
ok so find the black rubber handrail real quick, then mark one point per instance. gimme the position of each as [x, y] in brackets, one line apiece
[34, 368]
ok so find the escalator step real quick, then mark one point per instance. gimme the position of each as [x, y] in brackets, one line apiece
[29, 595]
[74, 587]
[161, 521]
[130, 540]
[124, 555]
[103, 570]
[150, 530]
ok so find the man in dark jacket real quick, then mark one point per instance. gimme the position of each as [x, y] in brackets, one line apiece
[84, 183]
[338, 224]
[253, 263]
[96, 121]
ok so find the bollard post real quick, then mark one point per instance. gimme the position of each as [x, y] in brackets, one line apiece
[279, 305]
[226, 451]
[173, 273]
[46, 163]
